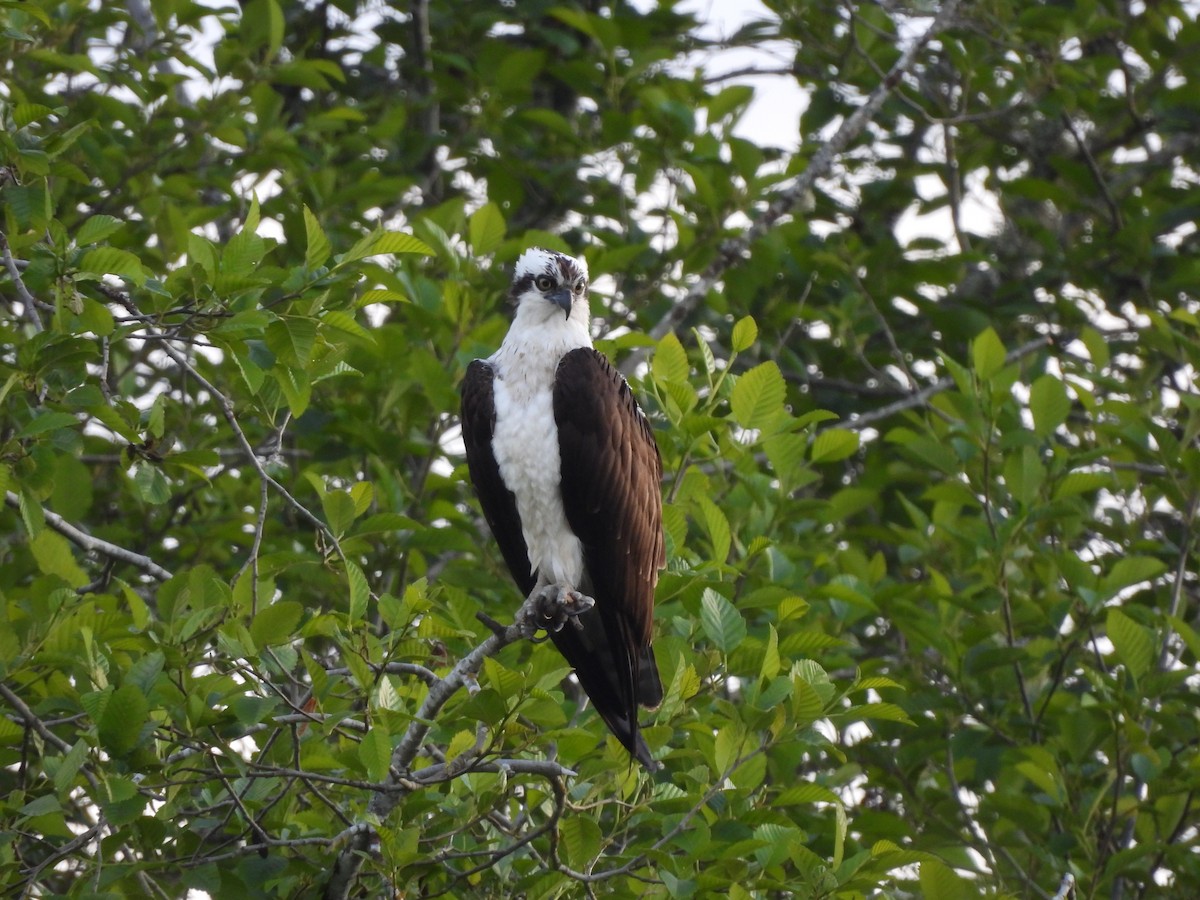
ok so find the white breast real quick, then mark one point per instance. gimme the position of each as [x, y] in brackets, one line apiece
[525, 443]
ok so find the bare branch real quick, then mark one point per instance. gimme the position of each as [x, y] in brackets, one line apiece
[27, 299]
[95, 544]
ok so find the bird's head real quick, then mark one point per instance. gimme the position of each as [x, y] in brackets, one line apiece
[546, 283]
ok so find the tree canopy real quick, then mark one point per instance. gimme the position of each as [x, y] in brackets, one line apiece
[929, 625]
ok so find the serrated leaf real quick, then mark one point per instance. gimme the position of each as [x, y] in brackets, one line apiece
[296, 387]
[1133, 642]
[807, 705]
[460, 744]
[53, 555]
[381, 296]
[345, 322]
[670, 363]
[887, 711]
[745, 333]
[317, 247]
[152, 485]
[805, 792]
[1074, 483]
[833, 444]
[144, 673]
[939, 882]
[113, 261]
[360, 591]
[722, 623]
[27, 113]
[770, 664]
[46, 421]
[486, 229]
[717, 527]
[68, 768]
[758, 396]
[1130, 570]
[579, 837]
[121, 723]
[399, 243]
[363, 494]
[97, 228]
[291, 339]
[375, 751]
[987, 354]
[276, 624]
[1049, 405]
[507, 683]
[242, 254]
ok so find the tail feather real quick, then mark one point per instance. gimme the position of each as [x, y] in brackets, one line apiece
[609, 683]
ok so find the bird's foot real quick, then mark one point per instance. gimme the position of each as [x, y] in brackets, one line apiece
[557, 604]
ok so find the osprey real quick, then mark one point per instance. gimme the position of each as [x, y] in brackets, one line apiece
[567, 472]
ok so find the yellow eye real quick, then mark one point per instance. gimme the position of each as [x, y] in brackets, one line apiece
[544, 282]
[580, 285]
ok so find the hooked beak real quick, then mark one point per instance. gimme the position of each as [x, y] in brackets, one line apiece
[562, 299]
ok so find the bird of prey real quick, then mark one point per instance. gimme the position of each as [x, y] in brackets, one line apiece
[567, 472]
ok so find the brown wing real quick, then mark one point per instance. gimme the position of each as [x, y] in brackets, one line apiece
[498, 503]
[610, 488]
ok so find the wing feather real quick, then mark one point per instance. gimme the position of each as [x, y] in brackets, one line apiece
[611, 473]
[498, 503]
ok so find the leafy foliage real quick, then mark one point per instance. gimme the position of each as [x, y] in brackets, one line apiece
[929, 624]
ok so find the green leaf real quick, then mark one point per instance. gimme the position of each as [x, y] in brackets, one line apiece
[987, 354]
[1130, 570]
[97, 228]
[758, 396]
[1049, 404]
[1133, 642]
[938, 882]
[717, 526]
[375, 751]
[152, 485]
[722, 623]
[276, 624]
[46, 421]
[833, 444]
[120, 725]
[670, 361]
[770, 663]
[579, 837]
[398, 243]
[360, 591]
[27, 113]
[745, 333]
[381, 296]
[291, 339]
[486, 229]
[68, 767]
[113, 261]
[54, 557]
[318, 247]
[889, 712]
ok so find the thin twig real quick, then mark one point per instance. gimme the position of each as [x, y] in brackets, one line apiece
[921, 397]
[736, 249]
[346, 866]
[27, 299]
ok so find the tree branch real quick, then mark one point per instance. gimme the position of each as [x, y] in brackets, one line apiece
[94, 544]
[921, 397]
[349, 861]
[787, 200]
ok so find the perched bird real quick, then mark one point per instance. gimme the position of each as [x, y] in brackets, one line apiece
[567, 472]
